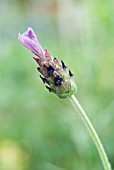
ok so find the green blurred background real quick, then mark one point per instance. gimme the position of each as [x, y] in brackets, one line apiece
[39, 131]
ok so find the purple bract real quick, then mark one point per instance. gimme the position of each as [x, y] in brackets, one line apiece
[29, 40]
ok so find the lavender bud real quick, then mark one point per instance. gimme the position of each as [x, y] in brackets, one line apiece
[56, 76]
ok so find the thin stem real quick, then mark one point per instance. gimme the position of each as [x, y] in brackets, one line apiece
[92, 131]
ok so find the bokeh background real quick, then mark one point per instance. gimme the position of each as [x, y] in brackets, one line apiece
[39, 131]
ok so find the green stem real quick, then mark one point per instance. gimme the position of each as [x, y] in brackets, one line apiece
[92, 131]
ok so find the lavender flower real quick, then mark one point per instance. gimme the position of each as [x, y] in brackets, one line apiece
[53, 73]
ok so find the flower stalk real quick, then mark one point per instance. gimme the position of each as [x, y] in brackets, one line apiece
[59, 80]
[92, 132]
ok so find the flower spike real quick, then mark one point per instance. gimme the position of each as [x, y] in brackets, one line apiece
[55, 75]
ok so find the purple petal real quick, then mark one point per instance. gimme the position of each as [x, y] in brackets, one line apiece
[29, 40]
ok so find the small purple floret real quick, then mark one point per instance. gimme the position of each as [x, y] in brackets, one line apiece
[29, 40]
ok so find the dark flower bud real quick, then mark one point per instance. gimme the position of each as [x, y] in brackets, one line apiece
[70, 74]
[50, 70]
[58, 80]
[43, 79]
[49, 88]
[63, 65]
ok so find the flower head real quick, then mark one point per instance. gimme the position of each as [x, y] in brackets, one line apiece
[53, 73]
